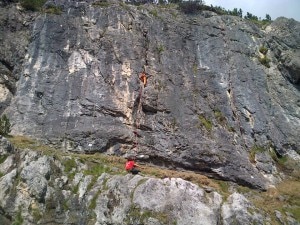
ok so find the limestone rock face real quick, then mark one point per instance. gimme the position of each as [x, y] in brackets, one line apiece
[207, 102]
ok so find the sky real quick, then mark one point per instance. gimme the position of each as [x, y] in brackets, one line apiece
[259, 8]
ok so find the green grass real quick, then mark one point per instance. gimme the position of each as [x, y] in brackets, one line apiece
[101, 4]
[18, 220]
[264, 60]
[253, 151]
[52, 9]
[93, 202]
[205, 122]
[220, 118]
[23, 142]
[263, 50]
[160, 48]
[135, 214]
[289, 202]
[154, 13]
[36, 214]
[3, 158]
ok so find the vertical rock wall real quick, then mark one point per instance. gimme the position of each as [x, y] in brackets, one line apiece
[208, 100]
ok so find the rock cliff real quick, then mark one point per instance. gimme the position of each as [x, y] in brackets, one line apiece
[219, 87]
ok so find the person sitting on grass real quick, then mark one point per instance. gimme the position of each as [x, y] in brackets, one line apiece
[131, 166]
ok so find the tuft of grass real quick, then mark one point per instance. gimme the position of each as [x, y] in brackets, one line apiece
[205, 122]
[253, 151]
[52, 9]
[18, 220]
[124, 6]
[263, 50]
[160, 48]
[220, 118]
[96, 169]
[264, 60]
[135, 214]
[3, 158]
[36, 214]
[93, 202]
[223, 188]
[101, 4]
[69, 165]
[154, 13]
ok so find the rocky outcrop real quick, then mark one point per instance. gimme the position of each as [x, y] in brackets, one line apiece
[208, 101]
[57, 189]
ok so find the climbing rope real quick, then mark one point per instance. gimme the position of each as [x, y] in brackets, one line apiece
[143, 79]
[230, 89]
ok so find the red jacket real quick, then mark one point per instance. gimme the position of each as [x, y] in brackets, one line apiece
[129, 165]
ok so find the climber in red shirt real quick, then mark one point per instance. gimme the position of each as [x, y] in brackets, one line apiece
[143, 78]
[131, 166]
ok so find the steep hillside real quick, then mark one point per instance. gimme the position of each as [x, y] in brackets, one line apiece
[222, 95]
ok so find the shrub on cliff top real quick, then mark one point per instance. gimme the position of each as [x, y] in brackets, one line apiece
[32, 5]
[191, 7]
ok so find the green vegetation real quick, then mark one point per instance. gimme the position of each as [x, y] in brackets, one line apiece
[284, 198]
[154, 13]
[18, 220]
[32, 5]
[3, 158]
[160, 48]
[101, 3]
[263, 50]
[135, 214]
[23, 142]
[36, 214]
[264, 59]
[70, 167]
[253, 151]
[220, 118]
[65, 205]
[4, 125]
[93, 202]
[191, 7]
[52, 9]
[205, 122]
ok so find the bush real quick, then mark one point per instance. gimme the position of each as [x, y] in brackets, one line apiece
[265, 61]
[52, 9]
[32, 5]
[263, 50]
[191, 7]
[4, 125]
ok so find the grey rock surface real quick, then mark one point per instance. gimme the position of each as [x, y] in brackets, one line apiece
[207, 102]
[238, 210]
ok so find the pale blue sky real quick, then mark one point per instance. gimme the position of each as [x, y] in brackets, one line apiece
[259, 8]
